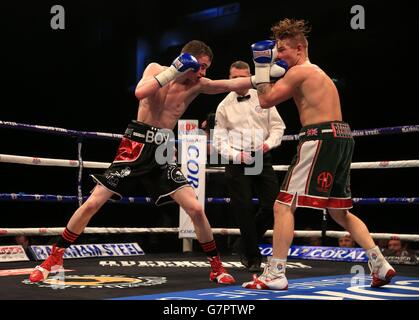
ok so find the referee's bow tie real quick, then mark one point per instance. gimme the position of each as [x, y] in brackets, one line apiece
[243, 98]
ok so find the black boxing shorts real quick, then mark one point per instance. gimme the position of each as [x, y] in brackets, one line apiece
[135, 166]
[319, 174]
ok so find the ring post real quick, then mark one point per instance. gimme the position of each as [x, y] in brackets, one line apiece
[80, 176]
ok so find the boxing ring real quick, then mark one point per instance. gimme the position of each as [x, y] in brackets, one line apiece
[152, 276]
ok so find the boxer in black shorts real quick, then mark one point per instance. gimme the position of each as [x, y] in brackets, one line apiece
[164, 93]
[319, 174]
[135, 163]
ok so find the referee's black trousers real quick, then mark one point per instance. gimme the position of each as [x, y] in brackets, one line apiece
[242, 188]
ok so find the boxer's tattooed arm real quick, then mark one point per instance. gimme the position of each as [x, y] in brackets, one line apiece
[263, 88]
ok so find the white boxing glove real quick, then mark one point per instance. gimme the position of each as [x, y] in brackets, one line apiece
[278, 70]
[180, 65]
[264, 53]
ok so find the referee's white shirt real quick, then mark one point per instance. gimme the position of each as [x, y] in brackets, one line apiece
[234, 120]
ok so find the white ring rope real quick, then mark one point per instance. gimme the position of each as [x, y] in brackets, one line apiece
[104, 165]
[51, 162]
[222, 231]
[87, 134]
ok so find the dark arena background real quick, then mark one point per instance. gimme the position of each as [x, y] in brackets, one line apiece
[83, 78]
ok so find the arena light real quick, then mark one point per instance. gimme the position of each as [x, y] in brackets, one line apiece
[215, 12]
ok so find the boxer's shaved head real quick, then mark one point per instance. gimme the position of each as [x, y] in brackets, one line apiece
[240, 65]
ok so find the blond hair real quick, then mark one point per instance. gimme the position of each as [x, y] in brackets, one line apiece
[294, 30]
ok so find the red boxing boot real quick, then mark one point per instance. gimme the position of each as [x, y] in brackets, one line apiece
[52, 264]
[218, 273]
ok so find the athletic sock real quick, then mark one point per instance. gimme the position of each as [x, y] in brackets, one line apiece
[210, 248]
[67, 239]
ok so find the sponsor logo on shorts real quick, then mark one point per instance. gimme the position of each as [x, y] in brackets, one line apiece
[129, 132]
[324, 181]
[341, 130]
[113, 177]
[175, 174]
[312, 132]
[139, 135]
[159, 137]
[98, 282]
